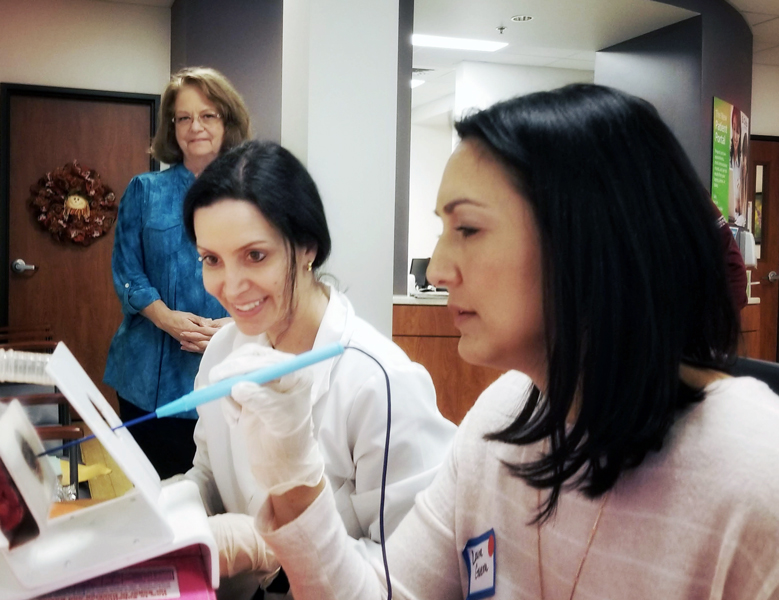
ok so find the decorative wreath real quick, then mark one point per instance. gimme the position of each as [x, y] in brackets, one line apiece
[73, 204]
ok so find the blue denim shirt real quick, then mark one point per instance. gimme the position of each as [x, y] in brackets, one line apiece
[153, 259]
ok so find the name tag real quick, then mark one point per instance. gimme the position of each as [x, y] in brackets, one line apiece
[479, 554]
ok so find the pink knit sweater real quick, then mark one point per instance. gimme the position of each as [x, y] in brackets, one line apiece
[699, 520]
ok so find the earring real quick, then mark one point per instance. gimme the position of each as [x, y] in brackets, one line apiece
[310, 265]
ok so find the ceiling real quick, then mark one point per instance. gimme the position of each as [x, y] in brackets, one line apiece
[763, 18]
[563, 34]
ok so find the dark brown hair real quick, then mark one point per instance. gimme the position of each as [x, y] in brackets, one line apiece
[633, 273]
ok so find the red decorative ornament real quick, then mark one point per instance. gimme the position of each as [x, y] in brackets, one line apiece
[73, 205]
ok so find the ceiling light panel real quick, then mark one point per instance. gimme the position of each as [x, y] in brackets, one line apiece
[435, 41]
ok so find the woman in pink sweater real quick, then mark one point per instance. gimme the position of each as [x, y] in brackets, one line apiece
[616, 458]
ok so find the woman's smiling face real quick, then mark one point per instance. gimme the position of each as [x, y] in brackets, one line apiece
[246, 265]
[489, 258]
[201, 130]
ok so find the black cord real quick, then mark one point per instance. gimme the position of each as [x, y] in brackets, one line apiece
[384, 468]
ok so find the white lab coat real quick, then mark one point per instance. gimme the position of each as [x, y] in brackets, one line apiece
[350, 415]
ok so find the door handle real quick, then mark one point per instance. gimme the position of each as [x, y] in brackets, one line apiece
[772, 276]
[19, 266]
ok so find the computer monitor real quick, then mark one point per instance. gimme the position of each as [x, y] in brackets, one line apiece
[419, 270]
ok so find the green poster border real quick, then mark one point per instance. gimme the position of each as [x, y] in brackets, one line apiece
[720, 155]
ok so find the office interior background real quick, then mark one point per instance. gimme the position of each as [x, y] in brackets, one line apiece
[329, 79]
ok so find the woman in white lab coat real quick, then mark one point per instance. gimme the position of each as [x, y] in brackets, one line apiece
[260, 229]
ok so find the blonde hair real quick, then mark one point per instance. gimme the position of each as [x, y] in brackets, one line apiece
[218, 90]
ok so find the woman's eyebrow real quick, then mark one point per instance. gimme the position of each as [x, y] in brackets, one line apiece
[450, 206]
[246, 246]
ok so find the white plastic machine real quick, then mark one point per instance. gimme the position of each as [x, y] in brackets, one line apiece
[147, 522]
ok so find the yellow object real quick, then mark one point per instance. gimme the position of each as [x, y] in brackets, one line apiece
[85, 472]
[112, 485]
[76, 205]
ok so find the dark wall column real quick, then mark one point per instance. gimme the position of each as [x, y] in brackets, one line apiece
[726, 65]
[403, 147]
[681, 68]
[242, 40]
[663, 67]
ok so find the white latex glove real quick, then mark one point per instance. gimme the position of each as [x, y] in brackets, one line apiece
[240, 546]
[275, 419]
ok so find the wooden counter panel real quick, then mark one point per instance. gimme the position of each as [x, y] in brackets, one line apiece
[422, 321]
[457, 383]
[750, 317]
[749, 340]
[749, 344]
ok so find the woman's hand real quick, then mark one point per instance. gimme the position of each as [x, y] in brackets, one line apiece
[275, 419]
[192, 331]
[196, 341]
[220, 322]
[240, 546]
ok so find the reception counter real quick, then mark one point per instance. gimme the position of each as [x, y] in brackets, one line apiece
[749, 343]
[424, 329]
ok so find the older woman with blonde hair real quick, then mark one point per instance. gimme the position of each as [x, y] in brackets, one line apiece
[168, 316]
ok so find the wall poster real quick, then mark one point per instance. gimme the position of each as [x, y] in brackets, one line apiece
[729, 158]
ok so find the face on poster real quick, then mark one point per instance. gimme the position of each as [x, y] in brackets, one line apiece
[729, 161]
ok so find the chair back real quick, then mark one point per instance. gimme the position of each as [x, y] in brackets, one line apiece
[10, 335]
[765, 371]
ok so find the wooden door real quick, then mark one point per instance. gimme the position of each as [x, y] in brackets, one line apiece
[765, 151]
[72, 289]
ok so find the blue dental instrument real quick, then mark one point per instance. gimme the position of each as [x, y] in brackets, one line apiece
[222, 388]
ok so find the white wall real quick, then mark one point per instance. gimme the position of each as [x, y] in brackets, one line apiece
[765, 100]
[294, 80]
[431, 146]
[85, 44]
[346, 134]
[479, 85]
